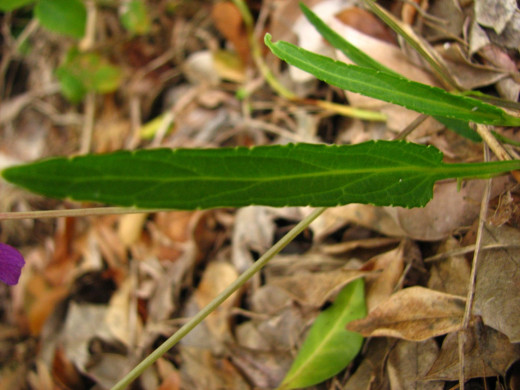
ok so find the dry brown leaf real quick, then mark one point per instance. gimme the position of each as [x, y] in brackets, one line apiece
[314, 289]
[487, 353]
[13, 377]
[366, 23]
[366, 243]
[217, 276]
[371, 373]
[169, 375]
[381, 287]
[450, 275]
[45, 299]
[177, 225]
[201, 370]
[409, 361]
[414, 314]
[371, 217]
[263, 369]
[228, 21]
[280, 331]
[449, 210]
[497, 291]
[468, 75]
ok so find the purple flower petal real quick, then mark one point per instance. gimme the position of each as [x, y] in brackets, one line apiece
[11, 263]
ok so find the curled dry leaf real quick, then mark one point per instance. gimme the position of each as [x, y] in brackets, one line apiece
[391, 265]
[414, 314]
[314, 289]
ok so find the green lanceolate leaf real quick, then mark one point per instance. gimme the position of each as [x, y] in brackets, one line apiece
[377, 172]
[329, 347]
[390, 88]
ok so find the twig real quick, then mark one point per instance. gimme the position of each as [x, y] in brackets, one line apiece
[88, 124]
[473, 276]
[492, 142]
[84, 212]
[411, 127]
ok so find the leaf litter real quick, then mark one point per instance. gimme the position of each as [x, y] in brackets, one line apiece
[99, 293]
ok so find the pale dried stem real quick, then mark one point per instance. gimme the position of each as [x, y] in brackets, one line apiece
[492, 142]
[473, 276]
[85, 212]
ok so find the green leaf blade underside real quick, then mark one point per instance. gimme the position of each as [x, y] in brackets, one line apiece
[377, 172]
[390, 88]
[329, 347]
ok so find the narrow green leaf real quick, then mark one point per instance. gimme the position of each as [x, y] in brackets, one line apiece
[67, 17]
[378, 172]
[414, 41]
[352, 52]
[362, 59]
[387, 87]
[329, 347]
[462, 128]
[10, 5]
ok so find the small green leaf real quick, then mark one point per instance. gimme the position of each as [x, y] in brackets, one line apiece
[10, 5]
[67, 17]
[390, 88]
[329, 347]
[84, 72]
[383, 173]
[135, 17]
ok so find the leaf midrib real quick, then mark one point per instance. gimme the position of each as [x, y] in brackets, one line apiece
[443, 171]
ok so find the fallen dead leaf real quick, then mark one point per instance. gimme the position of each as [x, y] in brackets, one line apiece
[371, 373]
[366, 23]
[497, 291]
[44, 300]
[314, 289]
[382, 286]
[450, 275]
[414, 314]
[169, 375]
[201, 370]
[487, 353]
[229, 22]
[217, 276]
[449, 210]
[263, 369]
[409, 361]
